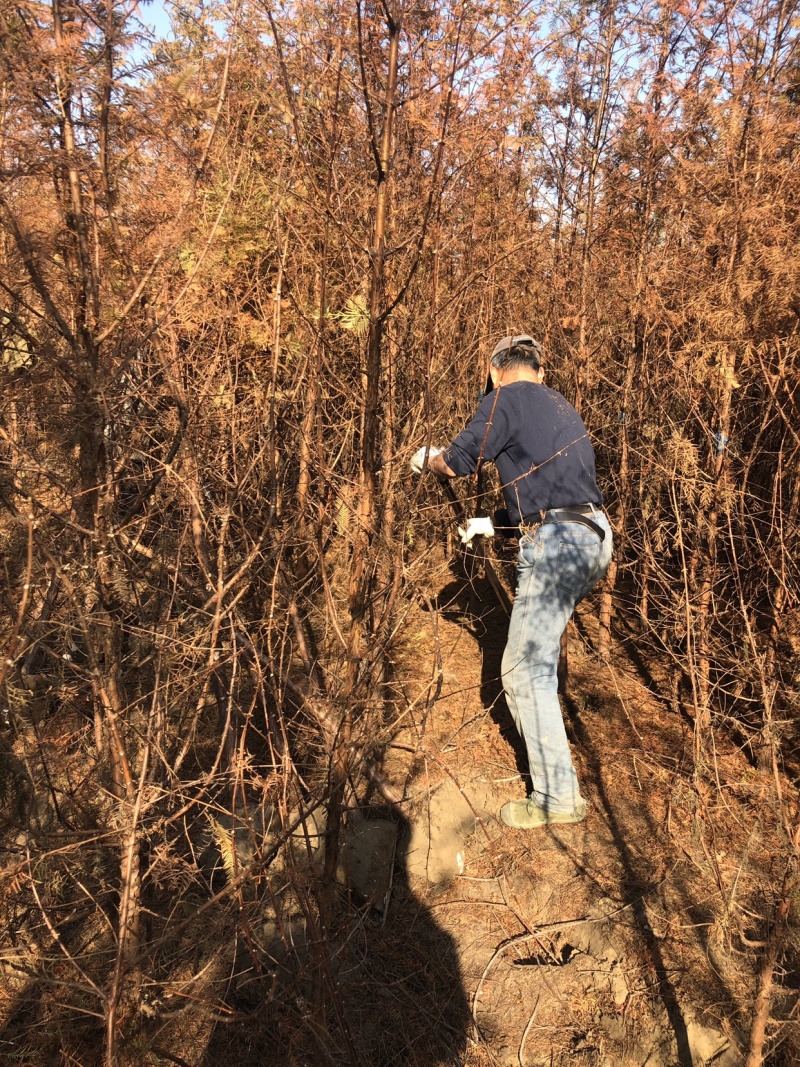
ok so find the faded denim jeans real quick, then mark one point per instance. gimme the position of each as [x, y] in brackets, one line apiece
[558, 565]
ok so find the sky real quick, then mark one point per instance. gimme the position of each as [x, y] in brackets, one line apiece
[154, 15]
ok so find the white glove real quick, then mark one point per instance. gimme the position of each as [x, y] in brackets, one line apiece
[476, 528]
[418, 459]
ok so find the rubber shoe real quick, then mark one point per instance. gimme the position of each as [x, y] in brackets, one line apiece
[525, 815]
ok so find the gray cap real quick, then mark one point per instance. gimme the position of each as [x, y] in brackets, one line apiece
[531, 349]
[523, 340]
[503, 346]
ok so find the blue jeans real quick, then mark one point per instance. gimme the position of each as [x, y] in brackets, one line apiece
[558, 565]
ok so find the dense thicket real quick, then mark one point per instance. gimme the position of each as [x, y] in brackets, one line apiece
[244, 274]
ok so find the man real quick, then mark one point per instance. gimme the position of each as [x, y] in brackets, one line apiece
[546, 465]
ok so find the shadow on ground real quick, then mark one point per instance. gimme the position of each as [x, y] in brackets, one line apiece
[378, 993]
[471, 603]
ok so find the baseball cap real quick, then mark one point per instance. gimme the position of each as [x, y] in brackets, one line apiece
[505, 344]
[523, 340]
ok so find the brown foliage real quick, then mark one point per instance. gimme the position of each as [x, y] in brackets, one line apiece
[243, 277]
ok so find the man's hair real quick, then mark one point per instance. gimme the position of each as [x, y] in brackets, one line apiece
[517, 350]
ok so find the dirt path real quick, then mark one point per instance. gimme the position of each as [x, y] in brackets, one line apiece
[615, 942]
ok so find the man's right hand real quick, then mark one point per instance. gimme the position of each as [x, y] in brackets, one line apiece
[481, 527]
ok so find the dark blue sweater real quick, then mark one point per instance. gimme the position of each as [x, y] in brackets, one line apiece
[539, 444]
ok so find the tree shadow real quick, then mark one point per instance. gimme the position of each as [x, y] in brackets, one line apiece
[636, 886]
[469, 600]
[592, 760]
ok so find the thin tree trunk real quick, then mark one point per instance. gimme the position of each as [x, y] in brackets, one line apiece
[582, 359]
[774, 946]
[360, 577]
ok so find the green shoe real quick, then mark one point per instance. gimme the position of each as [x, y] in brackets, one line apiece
[525, 815]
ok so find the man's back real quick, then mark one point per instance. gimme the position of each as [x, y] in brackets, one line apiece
[539, 444]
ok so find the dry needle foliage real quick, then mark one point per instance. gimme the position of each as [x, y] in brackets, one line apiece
[244, 274]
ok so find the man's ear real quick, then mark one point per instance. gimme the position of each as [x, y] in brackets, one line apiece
[540, 375]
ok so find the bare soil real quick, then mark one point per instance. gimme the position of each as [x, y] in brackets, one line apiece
[626, 940]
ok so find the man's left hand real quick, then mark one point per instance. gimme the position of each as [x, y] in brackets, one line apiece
[418, 459]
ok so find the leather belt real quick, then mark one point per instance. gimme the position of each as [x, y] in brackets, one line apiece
[576, 509]
[576, 513]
